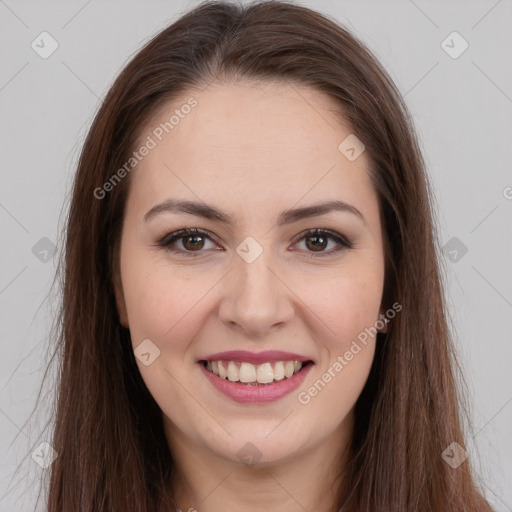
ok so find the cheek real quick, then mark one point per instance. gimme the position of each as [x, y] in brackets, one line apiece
[348, 304]
[347, 358]
[170, 311]
[165, 303]
[339, 386]
[162, 305]
[346, 301]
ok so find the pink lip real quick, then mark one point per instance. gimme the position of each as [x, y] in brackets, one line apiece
[255, 358]
[262, 393]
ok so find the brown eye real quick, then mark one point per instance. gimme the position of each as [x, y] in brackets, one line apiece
[193, 242]
[317, 241]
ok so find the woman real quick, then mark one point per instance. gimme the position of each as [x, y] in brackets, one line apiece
[253, 315]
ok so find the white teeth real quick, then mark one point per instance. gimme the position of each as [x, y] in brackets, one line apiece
[265, 373]
[249, 373]
[289, 367]
[233, 373]
[279, 370]
[222, 371]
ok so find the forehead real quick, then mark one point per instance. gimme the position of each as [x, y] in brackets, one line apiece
[246, 143]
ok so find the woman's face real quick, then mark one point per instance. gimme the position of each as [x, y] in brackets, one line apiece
[261, 155]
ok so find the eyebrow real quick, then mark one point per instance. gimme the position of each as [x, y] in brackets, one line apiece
[285, 217]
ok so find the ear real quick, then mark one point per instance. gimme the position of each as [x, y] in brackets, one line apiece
[383, 320]
[120, 302]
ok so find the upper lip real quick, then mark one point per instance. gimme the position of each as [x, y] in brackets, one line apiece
[255, 357]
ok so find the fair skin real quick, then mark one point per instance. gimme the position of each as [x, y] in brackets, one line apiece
[252, 150]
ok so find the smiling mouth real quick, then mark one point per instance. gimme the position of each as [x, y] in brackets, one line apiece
[241, 372]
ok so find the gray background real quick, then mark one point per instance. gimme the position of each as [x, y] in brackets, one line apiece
[462, 109]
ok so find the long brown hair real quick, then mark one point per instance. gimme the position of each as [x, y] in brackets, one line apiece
[108, 432]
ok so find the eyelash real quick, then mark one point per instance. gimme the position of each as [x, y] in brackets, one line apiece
[168, 239]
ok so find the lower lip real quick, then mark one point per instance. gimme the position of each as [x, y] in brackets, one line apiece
[264, 393]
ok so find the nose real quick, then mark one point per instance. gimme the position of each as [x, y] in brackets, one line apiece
[256, 299]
